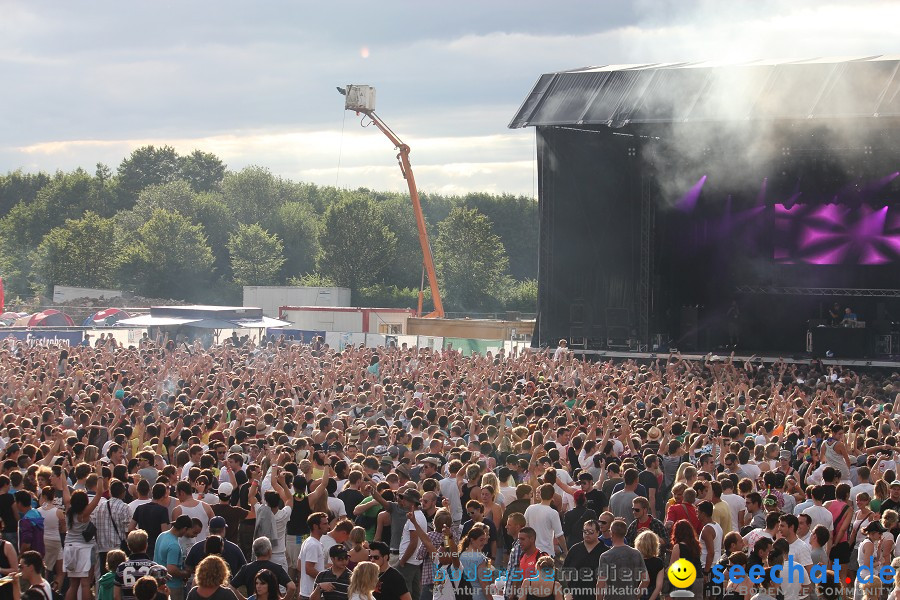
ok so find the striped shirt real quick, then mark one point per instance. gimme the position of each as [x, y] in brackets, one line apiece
[341, 584]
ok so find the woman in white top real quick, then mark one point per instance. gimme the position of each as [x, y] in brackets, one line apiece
[54, 530]
[868, 549]
[363, 581]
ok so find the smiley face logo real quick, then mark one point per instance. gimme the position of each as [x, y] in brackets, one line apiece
[682, 573]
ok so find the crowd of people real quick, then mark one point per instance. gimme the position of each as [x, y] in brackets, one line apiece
[280, 470]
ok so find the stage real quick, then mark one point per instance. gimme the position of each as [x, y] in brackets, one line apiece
[699, 206]
[881, 363]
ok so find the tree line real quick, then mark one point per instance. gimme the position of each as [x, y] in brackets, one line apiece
[165, 225]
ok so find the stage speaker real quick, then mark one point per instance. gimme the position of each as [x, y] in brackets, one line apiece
[617, 317]
[576, 313]
[617, 336]
[690, 320]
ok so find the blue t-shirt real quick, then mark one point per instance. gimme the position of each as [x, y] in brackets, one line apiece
[168, 552]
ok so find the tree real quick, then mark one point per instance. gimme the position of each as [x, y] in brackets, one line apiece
[356, 244]
[204, 171]
[515, 220]
[256, 256]
[82, 252]
[18, 187]
[406, 268]
[174, 196]
[254, 195]
[168, 258]
[146, 166]
[298, 226]
[470, 259]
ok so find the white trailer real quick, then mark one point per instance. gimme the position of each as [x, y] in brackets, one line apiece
[271, 297]
[388, 321]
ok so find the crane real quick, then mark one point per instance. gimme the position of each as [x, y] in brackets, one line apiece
[361, 100]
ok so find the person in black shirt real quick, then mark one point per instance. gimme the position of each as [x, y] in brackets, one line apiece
[893, 501]
[575, 518]
[153, 515]
[216, 544]
[391, 585]
[262, 548]
[332, 584]
[580, 566]
[595, 499]
[350, 495]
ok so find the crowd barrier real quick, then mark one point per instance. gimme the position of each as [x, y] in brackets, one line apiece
[124, 336]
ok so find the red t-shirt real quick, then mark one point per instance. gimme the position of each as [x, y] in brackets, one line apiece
[528, 563]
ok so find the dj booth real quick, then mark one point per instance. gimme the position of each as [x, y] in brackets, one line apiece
[839, 342]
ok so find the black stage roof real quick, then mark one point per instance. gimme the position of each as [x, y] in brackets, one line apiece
[619, 95]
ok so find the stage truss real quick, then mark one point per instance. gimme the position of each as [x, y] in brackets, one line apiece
[830, 291]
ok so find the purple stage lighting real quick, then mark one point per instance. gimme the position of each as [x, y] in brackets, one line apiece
[688, 202]
[833, 234]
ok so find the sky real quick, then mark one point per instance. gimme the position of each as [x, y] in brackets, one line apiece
[255, 82]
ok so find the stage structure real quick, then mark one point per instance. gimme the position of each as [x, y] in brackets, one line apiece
[671, 192]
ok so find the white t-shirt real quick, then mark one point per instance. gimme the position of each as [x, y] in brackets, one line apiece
[408, 531]
[800, 552]
[311, 551]
[280, 520]
[547, 527]
[336, 506]
[751, 470]
[856, 490]
[132, 506]
[450, 491]
[736, 504]
[327, 542]
[820, 516]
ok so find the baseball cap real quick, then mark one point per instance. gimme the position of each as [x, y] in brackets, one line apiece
[225, 489]
[337, 551]
[218, 522]
[412, 496]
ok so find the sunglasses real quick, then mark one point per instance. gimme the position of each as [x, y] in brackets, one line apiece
[636, 509]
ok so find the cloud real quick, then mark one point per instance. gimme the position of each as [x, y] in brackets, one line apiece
[254, 82]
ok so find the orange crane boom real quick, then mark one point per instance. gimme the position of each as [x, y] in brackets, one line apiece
[366, 107]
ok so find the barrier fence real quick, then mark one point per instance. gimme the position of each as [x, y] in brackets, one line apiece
[128, 336]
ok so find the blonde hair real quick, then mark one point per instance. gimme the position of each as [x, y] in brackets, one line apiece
[889, 518]
[489, 479]
[212, 572]
[91, 454]
[357, 537]
[545, 564]
[647, 543]
[363, 580]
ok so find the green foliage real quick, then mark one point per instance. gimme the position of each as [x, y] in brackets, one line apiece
[18, 187]
[254, 195]
[298, 226]
[146, 166]
[520, 295]
[356, 244]
[470, 260]
[515, 220]
[312, 280]
[363, 239]
[204, 171]
[81, 252]
[405, 270]
[256, 256]
[391, 296]
[169, 258]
